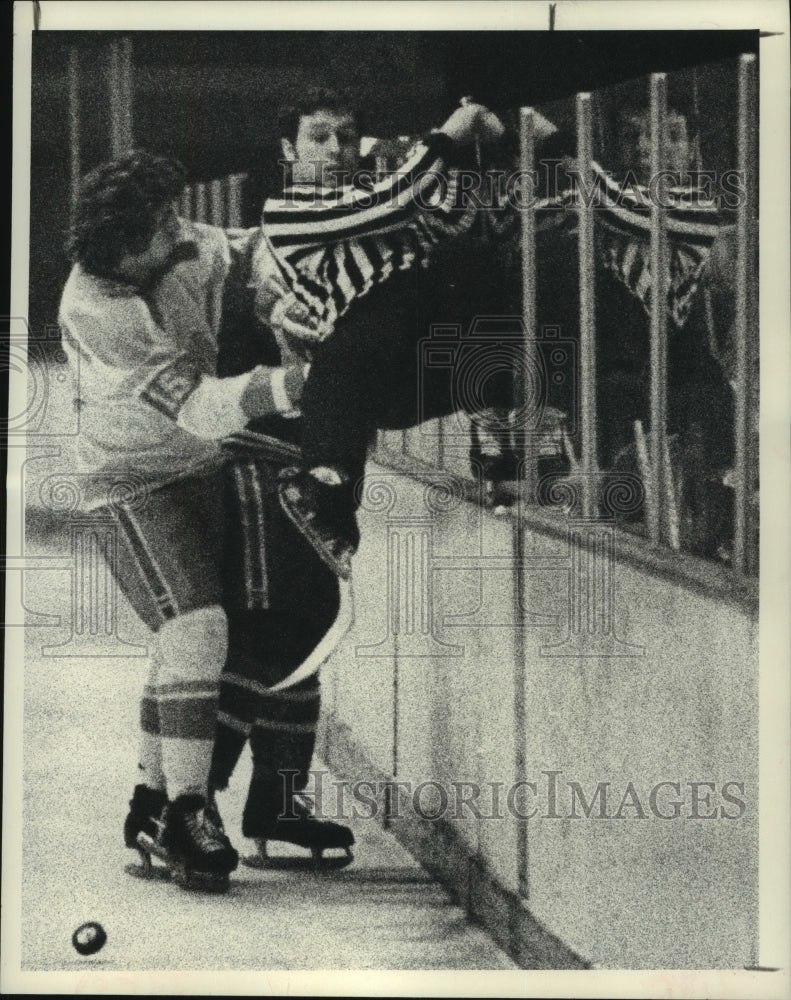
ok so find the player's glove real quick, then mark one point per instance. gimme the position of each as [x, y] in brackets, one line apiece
[293, 317]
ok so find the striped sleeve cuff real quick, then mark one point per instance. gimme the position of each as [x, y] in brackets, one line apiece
[272, 390]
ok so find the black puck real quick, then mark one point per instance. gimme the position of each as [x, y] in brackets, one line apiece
[89, 938]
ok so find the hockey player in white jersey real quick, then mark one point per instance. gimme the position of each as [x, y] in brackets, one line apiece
[139, 313]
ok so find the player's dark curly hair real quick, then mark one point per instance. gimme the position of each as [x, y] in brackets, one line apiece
[117, 208]
[314, 99]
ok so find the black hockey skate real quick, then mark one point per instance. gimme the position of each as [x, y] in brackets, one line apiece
[145, 817]
[302, 829]
[193, 848]
[145, 808]
[325, 516]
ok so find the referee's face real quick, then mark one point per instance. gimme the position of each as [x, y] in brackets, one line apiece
[326, 147]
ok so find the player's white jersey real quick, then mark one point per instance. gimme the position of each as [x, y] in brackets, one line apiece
[141, 355]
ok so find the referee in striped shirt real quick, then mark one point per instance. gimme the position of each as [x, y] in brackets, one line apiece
[340, 278]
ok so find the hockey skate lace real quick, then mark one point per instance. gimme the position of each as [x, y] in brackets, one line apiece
[203, 832]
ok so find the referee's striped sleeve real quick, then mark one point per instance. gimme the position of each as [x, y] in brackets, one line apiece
[292, 225]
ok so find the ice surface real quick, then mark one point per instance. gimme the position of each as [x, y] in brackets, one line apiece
[79, 756]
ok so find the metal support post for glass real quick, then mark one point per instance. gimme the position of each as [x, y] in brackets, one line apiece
[746, 322]
[585, 208]
[522, 405]
[659, 280]
[119, 80]
[75, 136]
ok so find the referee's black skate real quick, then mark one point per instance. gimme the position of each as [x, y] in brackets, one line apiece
[190, 843]
[324, 513]
[302, 829]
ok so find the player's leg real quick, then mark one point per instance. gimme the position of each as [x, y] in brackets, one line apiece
[375, 371]
[237, 703]
[171, 545]
[351, 377]
[340, 405]
[150, 795]
[283, 741]
[466, 347]
[282, 607]
[248, 502]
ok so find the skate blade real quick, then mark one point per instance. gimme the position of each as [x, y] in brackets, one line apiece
[148, 848]
[145, 869]
[149, 873]
[208, 882]
[331, 862]
[267, 863]
[316, 862]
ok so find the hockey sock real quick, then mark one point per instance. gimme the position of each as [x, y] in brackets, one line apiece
[193, 649]
[282, 743]
[149, 759]
[228, 745]
[283, 735]
[264, 648]
[240, 684]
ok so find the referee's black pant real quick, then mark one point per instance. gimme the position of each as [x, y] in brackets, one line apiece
[394, 360]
